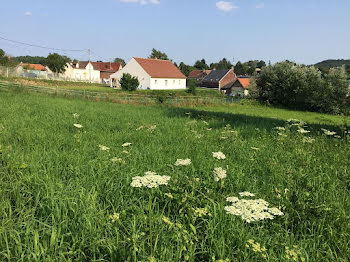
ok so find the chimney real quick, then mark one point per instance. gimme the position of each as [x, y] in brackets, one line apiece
[156, 58]
[233, 69]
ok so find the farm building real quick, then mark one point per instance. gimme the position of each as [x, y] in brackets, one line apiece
[32, 70]
[199, 74]
[240, 87]
[218, 79]
[155, 74]
[97, 72]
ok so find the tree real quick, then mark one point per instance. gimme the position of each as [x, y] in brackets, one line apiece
[159, 55]
[221, 65]
[30, 60]
[120, 60]
[261, 64]
[129, 82]
[240, 69]
[57, 63]
[201, 65]
[4, 60]
[185, 69]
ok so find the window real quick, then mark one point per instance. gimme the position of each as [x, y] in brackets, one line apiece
[166, 82]
[174, 82]
[179, 82]
[155, 82]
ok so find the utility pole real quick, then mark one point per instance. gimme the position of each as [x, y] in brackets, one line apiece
[89, 53]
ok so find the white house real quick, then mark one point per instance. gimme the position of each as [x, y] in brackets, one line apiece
[95, 72]
[152, 74]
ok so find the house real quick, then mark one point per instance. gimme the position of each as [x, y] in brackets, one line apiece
[86, 71]
[219, 79]
[155, 74]
[199, 74]
[32, 70]
[240, 87]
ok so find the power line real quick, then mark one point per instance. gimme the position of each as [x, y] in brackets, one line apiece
[44, 47]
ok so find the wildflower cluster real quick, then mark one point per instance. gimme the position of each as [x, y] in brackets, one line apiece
[251, 210]
[126, 144]
[150, 180]
[256, 247]
[103, 148]
[78, 126]
[219, 173]
[219, 155]
[183, 162]
[328, 132]
[114, 217]
[293, 254]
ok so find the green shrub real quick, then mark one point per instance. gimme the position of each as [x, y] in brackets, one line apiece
[129, 82]
[301, 87]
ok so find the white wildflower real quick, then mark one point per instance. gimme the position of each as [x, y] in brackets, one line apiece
[246, 194]
[280, 128]
[126, 144]
[139, 128]
[219, 155]
[223, 137]
[337, 136]
[78, 126]
[150, 173]
[209, 129]
[76, 115]
[125, 152]
[255, 148]
[103, 148]
[303, 131]
[232, 199]
[183, 162]
[330, 133]
[150, 180]
[251, 210]
[151, 128]
[219, 173]
[282, 135]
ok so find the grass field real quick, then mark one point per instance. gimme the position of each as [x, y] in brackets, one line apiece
[64, 198]
[81, 86]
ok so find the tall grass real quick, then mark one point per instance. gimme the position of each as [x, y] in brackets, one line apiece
[58, 189]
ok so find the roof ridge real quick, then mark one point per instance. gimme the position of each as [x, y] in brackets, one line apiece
[156, 59]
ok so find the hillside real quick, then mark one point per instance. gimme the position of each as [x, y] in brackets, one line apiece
[333, 63]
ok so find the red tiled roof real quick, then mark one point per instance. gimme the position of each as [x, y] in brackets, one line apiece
[245, 82]
[158, 68]
[100, 66]
[198, 73]
[37, 67]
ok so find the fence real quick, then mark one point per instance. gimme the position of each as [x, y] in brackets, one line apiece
[118, 97]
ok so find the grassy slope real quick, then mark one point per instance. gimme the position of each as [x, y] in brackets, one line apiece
[105, 89]
[57, 192]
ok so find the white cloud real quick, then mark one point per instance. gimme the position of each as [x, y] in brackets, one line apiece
[142, 2]
[225, 6]
[259, 6]
[27, 13]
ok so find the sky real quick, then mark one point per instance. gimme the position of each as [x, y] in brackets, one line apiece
[304, 31]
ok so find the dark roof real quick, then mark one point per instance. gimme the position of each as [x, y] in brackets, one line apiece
[215, 75]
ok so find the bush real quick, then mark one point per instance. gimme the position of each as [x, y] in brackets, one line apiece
[129, 82]
[301, 87]
[191, 86]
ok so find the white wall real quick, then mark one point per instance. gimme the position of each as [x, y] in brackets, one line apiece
[133, 68]
[82, 74]
[168, 83]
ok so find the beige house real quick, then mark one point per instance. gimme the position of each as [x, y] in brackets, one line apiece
[152, 74]
[95, 72]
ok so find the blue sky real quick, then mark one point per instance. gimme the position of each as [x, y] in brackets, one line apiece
[305, 31]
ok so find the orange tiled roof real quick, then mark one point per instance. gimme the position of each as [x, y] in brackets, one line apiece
[198, 73]
[38, 67]
[245, 82]
[158, 68]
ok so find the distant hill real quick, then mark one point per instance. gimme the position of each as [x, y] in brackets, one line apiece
[333, 63]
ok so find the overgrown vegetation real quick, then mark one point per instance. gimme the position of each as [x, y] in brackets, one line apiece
[67, 184]
[300, 87]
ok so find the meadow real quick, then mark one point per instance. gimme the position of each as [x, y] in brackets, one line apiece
[72, 187]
